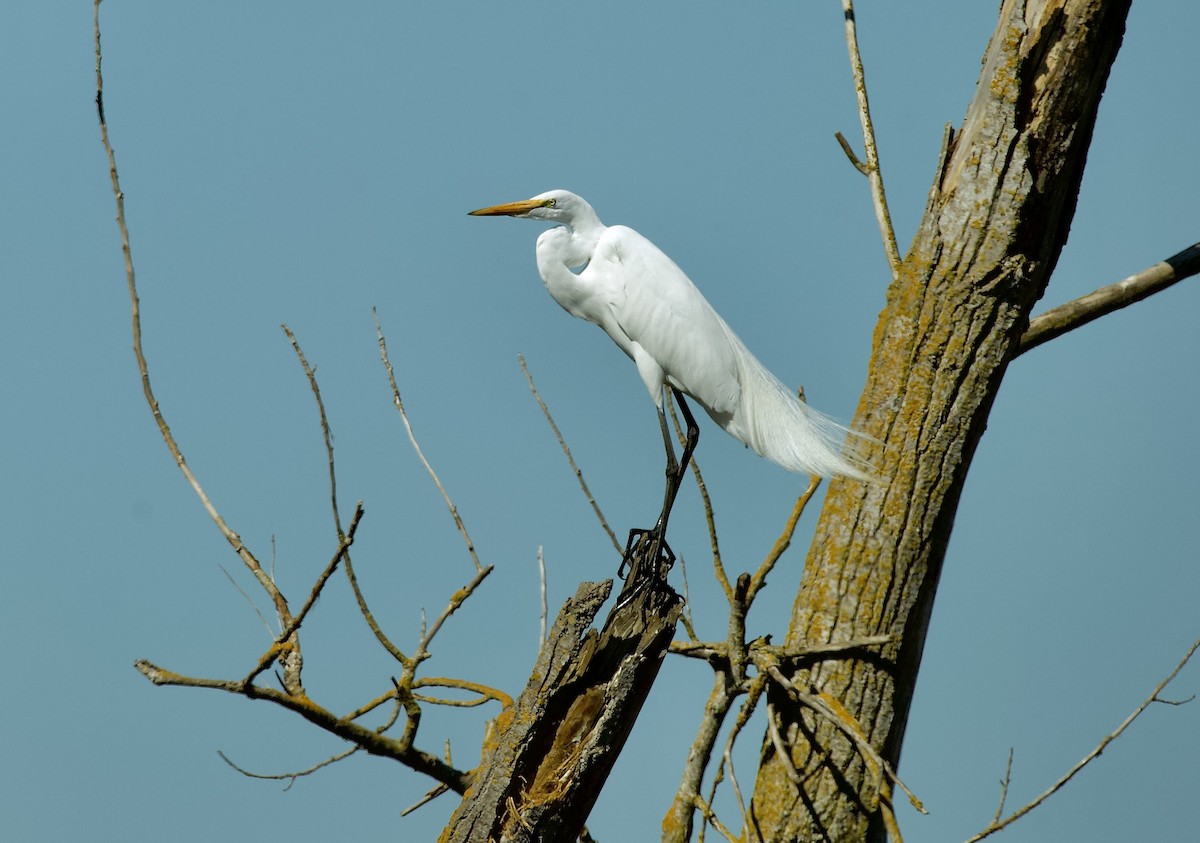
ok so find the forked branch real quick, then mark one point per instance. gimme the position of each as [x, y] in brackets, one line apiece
[998, 824]
[285, 647]
[870, 168]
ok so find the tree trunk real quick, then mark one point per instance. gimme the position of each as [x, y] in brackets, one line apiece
[996, 220]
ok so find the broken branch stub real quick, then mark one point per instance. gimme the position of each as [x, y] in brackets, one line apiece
[551, 756]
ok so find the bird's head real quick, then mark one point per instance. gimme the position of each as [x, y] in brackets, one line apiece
[558, 206]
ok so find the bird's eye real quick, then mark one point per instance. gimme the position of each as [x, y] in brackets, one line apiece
[550, 203]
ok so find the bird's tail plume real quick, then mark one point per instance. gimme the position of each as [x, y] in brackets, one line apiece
[779, 426]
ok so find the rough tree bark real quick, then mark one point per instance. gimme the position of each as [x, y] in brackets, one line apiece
[996, 220]
[549, 758]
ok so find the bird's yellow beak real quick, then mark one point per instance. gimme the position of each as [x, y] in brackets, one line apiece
[512, 209]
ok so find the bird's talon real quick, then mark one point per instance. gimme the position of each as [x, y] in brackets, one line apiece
[664, 559]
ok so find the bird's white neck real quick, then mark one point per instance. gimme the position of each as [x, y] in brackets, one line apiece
[561, 253]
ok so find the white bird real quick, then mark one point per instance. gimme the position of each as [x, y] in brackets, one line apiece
[615, 278]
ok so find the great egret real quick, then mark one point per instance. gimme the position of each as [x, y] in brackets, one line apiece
[617, 279]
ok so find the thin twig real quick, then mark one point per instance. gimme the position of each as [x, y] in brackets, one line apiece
[686, 616]
[872, 169]
[399, 404]
[291, 777]
[710, 816]
[754, 691]
[425, 800]
[562, 443]
[849, 150]
[372, 624]
[737, 790]
[456, 600]
[699, 755]
[249, 600]
[1067, 317]
[371, 740]
[1094, 754]
[884, 775]
[485, 692]
[326, 434]
[368, 707]
[781, 751]
[784, 541]
[789, 529]
[235, 541]
[285, 643]
[1004, 783]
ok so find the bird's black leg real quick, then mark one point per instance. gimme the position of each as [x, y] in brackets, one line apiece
[675, 471]
[691, 433]
[658, 548]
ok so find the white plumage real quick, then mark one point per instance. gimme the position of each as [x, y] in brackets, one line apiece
[617, 279]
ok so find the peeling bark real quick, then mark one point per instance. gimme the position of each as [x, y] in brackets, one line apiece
[548, 762]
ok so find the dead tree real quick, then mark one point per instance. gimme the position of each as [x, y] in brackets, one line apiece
[838, 690]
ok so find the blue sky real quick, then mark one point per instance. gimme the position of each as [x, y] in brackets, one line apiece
[306, 164]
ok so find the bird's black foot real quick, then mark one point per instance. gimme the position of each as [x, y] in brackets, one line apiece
[646, 546]
[645, 564]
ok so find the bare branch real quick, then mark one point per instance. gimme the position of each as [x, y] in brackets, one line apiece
[995, 826]
[784, 540]
[719, 651]
[387, 364]
[872, 169]
[291, 777]
[736, 629]
[685, 617]
[368, 707]
[753, 694]
[1153, 279]
[285, 648]
[363, 609]
[456, 600]
[1004, 783]
[678, 823]
[249, 600]
[326, 434]
[562, 443]
[832, 709]
[754, 690]
[371, 740]
[425, 800]
[849, 150]
[784, 754]
[705, 650]
[285, 644]
[164, 430]
[711, 817]
[485, 692]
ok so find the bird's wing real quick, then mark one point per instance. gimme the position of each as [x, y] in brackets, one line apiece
[657, 307]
